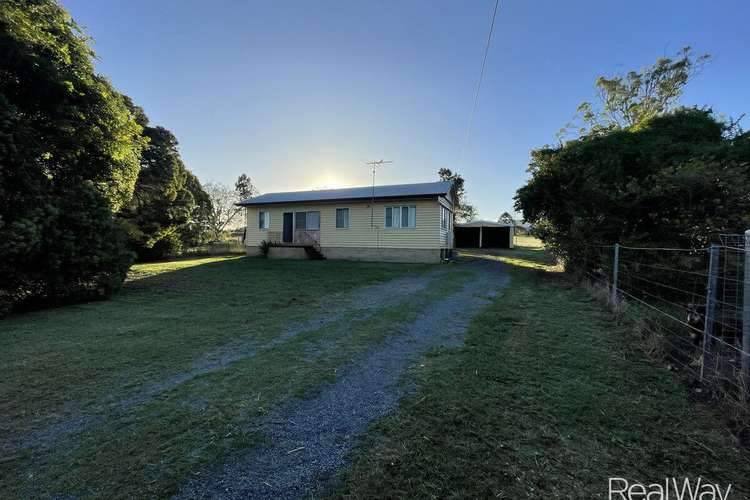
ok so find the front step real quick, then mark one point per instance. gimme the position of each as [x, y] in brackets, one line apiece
[313, 253]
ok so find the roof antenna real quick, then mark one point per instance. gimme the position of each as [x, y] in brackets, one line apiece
[374, 164]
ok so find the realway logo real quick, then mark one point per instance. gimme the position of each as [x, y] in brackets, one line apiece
[671, 489]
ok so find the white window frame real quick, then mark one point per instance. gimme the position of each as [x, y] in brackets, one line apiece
[396, 220]
[264, 220]
[308, 226]
[346, 221]
[445, 218]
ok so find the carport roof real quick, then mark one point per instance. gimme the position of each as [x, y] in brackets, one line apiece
[482, 223]
[423, 189]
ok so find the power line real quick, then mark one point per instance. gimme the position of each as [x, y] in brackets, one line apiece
[479, 84]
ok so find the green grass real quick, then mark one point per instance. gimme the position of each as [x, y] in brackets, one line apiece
[69, 361]
[528, 252]
[548, 398]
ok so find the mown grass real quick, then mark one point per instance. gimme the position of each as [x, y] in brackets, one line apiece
[528, 253]
[91, 359]
[548, 398]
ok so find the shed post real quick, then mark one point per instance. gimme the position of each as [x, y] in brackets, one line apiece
[615, 269]
[746, 318]
[480, 236]
[512, 235]
[708, 319]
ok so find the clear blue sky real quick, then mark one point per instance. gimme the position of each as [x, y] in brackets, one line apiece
[298, 94]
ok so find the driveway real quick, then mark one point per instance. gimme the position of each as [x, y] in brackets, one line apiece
[202, 389]
[308, 439]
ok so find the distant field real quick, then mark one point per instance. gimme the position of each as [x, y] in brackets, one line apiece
[524, 240]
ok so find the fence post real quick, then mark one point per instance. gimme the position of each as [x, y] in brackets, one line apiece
[615, 269]
[746, 317]
[708, 319]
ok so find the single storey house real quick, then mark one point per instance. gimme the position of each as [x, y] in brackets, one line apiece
[398, 223]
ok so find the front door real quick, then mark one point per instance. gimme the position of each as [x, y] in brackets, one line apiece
[288, 234]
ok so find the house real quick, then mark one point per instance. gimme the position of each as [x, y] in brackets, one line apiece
[398, 223]
[484, 234]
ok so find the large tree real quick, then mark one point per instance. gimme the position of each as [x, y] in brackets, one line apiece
[69, 158]
[196, 231]
[463, 210]
[164, 201]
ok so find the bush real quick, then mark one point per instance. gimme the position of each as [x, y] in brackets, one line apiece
[69, 249]
[677, 180]
[264, 247]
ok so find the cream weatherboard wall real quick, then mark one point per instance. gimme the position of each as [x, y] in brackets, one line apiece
[446, 233]
[360, 234]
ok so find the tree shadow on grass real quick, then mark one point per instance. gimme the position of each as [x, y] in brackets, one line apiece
[522, 256]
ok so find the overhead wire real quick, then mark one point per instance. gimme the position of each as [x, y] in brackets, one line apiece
[474, 106]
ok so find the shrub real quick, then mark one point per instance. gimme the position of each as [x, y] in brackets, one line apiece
[264, 246]
[676, 181]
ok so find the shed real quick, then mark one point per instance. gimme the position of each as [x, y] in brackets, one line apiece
[483, 234]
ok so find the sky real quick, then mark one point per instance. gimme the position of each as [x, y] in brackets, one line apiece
[300, 94]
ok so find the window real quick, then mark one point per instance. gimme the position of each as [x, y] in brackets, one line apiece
[307, 221]
[342, 218]
[300, 220]
[313, 221]
[445, 218]
[403, 217]
[264, 220]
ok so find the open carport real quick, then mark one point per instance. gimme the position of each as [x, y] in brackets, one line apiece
[483, 234]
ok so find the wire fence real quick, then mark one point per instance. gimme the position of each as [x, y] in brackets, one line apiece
[694, 304]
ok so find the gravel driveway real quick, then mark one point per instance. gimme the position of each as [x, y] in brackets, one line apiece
[308, 439]
[365, 301]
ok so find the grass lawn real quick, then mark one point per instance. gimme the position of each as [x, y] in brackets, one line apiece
[119, 398]
[547, 399]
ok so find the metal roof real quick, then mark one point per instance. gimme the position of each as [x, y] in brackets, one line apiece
[482, 223]
[395, 191]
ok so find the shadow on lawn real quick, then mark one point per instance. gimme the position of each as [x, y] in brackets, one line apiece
[193, 276]
[531, 255]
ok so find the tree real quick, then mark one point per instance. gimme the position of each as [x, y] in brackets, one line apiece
[643, 171]
[224, 212]
[463, 210]
[506, 218]
[625, 101]
[466, 213]
[163, 203]
[69, 158]
[244, 187]
[196, 231]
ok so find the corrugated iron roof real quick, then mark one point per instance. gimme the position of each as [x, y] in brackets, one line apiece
[482, 223]
[356, 193]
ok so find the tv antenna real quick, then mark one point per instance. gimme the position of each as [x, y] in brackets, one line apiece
[374, 164]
